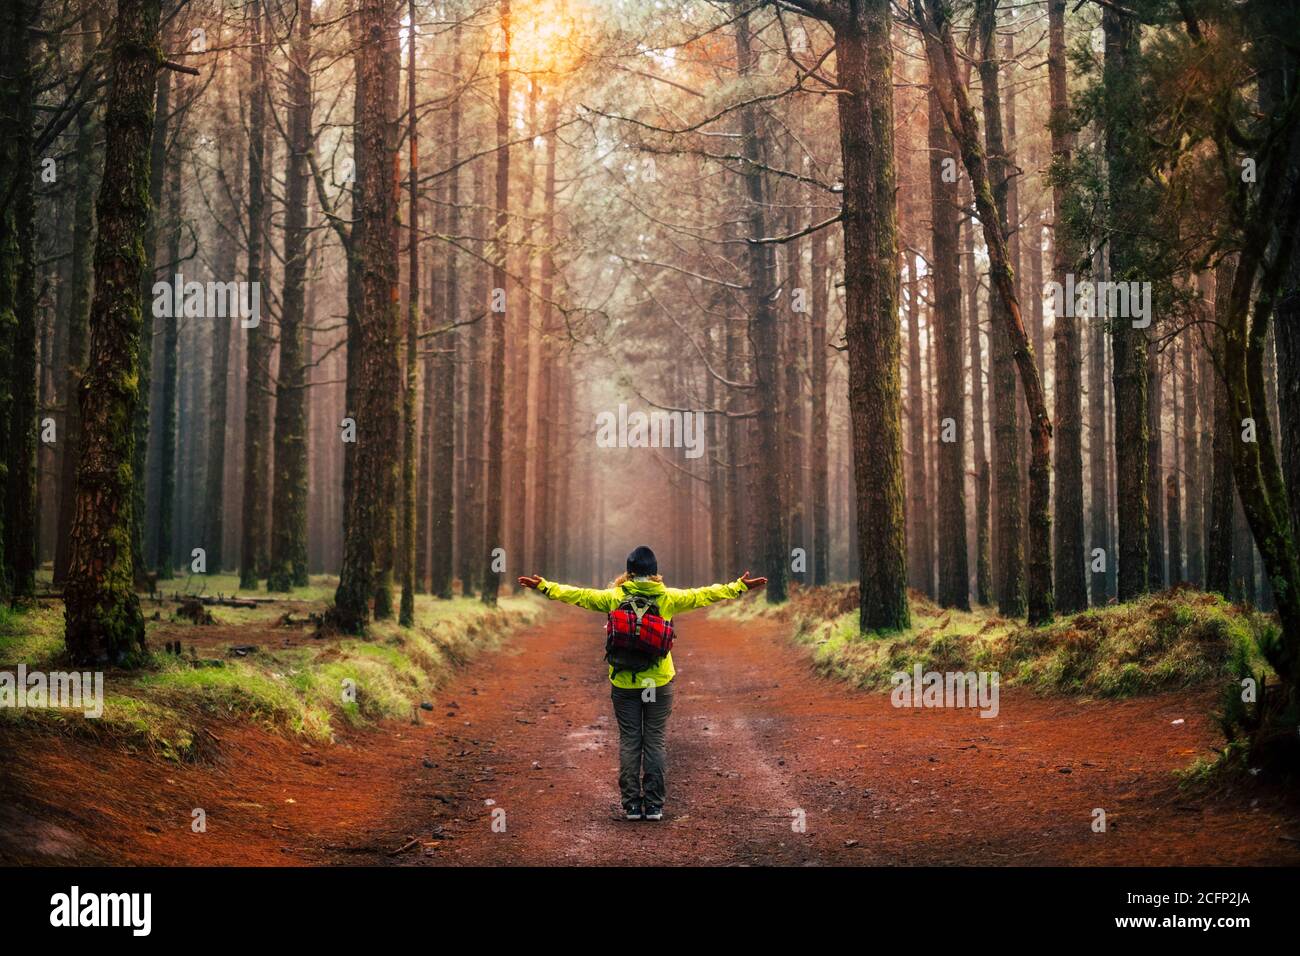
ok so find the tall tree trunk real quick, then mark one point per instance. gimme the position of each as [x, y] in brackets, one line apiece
[563, 486]
[1012, 230]
[52, 324]
[444, 450]
[932, 455]
[52, 363]
[1264, 265]
[213, 525]
[547, 352]
[864, 64]
[1071, 582]
[1099, 506]
[18, 312]
[406, 610]
[1267, 601]
[288, 562]
[1262, 508]
[164, 545]
[920, 551]
[1279, 72]
[376, 369]
[461, 504]
[83, 241]
[1278, 65]
[1174, 517]
[475, 426]
[1287, 332]
[1129, 345]
[734, 436]
[252, 557]
[1207, 378]
[980, 458]
[140, 512]
[1174, 523]
[437, 402]
[522, 334]
[717, 485]
[1006, 426]
[443, 427]
[764, 332]
[1192, 465]
[430, 351]
[820, 416]
[791, 337]
[497, 362]
[104, 621]
[946, 318]
[1155, 472]
[386, 544]
[1219, 538]
[534, 454]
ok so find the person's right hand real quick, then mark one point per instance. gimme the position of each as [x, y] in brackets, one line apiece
[754, 584]
[529, 581]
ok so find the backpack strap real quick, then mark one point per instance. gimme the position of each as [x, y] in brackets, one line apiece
[650, 600]
[641, 604]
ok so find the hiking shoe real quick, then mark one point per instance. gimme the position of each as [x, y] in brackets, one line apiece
[654, 813]
[634, 812]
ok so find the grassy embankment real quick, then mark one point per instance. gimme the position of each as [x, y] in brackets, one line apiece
[288, 681]
[1177, 638]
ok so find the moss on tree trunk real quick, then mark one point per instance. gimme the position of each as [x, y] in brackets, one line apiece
[864, 61]
[104, 621]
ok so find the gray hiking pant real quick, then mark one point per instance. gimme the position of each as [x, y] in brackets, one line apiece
[642, 758]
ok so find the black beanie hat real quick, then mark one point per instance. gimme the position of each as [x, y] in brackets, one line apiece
[642, 562]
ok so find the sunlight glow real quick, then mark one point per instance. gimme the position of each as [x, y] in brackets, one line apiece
[547, 36]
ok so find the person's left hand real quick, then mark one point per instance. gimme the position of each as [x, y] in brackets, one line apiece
[754, 584]
[529, 581]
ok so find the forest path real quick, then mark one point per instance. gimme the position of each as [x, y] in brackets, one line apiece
[755, 736]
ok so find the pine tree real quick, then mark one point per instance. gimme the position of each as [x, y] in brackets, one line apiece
[764, 332]
[946, 316]
[288, 558]
[374, 371]
[252, 551]
[1068, 555]
[104, 620]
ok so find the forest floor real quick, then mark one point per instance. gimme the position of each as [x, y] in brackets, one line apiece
[525, 736]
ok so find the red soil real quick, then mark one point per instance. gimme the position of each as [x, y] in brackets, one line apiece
[754, 736]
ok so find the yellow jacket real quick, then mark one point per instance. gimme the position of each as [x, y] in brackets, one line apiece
[670, 600]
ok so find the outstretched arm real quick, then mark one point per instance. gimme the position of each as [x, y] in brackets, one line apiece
[592, 599]
[686, 599]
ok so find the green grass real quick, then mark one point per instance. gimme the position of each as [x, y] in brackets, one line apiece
[299, 690]
[32, 635]
[1178, 638]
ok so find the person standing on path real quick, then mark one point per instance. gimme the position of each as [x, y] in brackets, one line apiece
[638, 647]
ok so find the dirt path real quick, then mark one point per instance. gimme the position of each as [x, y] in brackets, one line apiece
[754, 737]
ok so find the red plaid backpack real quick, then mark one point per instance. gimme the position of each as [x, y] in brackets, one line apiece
[636, 635]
